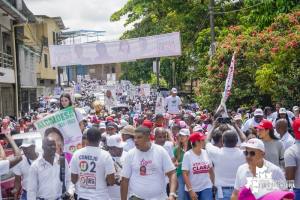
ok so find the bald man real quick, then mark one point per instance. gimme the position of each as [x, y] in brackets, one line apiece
[44, 174]
[283, 134]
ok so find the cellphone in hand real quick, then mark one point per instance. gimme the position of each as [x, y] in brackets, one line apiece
[224, 120]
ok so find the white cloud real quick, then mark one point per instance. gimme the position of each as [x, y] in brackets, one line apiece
[83, 15]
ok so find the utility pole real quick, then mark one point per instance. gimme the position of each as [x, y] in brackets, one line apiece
[212, 27]
[157, 73]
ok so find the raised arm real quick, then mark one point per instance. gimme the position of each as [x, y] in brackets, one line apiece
[17, 153]
[211, 131]
[238, 130]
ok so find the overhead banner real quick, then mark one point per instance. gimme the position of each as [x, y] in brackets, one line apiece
[116, 51]
[62, 123]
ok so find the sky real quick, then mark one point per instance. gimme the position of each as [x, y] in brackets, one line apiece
[80, 15]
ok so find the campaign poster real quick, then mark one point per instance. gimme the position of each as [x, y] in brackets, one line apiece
[62, 123]
[58, 91]
[71, 92]
[125, 85]
[146, 90]
[78, 89]
[111, 77]
[79, 79]
[110, 95]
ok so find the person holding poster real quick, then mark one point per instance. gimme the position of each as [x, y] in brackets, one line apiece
[65, 101]
[93, 168]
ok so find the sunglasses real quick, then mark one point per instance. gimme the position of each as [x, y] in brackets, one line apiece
[252, 153]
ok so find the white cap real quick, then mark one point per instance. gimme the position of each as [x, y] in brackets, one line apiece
[295, 108]
[185, 131]
[237, 117]
[102, 125]
[182, 124]
[258, 112]
[282, 110]
[27, 142]
[122, 123]
[174, 90]
[254, 143]
[197, 128]
[115, 141]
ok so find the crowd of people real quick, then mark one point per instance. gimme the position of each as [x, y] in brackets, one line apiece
[185, 153]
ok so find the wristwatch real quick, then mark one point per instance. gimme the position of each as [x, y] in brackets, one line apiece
[173, 194]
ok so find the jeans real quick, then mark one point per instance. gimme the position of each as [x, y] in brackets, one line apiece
[23, 195]
[297, 193]
[226, 194]
[180, 190]
[202, 195]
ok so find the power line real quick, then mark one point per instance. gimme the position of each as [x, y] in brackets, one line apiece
[217, 13]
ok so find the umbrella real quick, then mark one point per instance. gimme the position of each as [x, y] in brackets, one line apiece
[55, 97]
[53, 100]
[78, 95]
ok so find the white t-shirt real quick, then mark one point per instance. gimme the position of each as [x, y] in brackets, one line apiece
[4, 169]
[92, 164]
[289, 113]
[129, 144]
[225, 160]
[169, 147]
[22, 169]
[173, 103]
[198, 167]
[145, 168]
[78, 115]
[249, 123]
[114, 191]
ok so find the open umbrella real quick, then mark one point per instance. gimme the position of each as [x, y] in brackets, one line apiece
[78, 95]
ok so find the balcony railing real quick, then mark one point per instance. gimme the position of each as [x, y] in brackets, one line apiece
[7, 60]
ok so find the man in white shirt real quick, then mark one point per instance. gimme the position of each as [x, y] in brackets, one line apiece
[6, 164]
[276, 114]
[174, 103]
[115, 147]
[226, 160]
[296, 111]
[144, 169]
[161, 136]
[256, 164]
[254, 121]
[44, 175]
[93, 168]
[22, 169]
[283, 134]
[128, 136]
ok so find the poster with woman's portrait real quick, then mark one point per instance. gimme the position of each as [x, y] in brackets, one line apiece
[160, 102]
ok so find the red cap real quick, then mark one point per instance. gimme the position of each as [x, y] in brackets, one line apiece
[197, 136]
[203, 117]
[147, 123]
[177, 121]
[110, 119]
[152, 137]
[265, 124]
[296, 127]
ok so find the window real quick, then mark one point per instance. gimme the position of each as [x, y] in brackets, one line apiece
[54, 37]
[42, 81]
[113, 70]
[53, 68]
[31, 62]
[52, 82]
[25, 59]
[46, 60]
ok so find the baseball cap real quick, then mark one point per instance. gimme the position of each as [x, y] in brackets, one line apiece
[246, 194]
[197, 128]
[197, 136]
[237, 117]
[177, 121]
[27, 142]
[115, 141]
[128, 130]
[185, 131]
[295, 108]
[111, 124]
[182, 124]
[264, 124]
[147, 123]
[174, 90]
[109, 119]
[123, 123]
[102, 125]
[258, 112]
[296, 127]
[254, 143]
[5, 121]
[282, 110]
